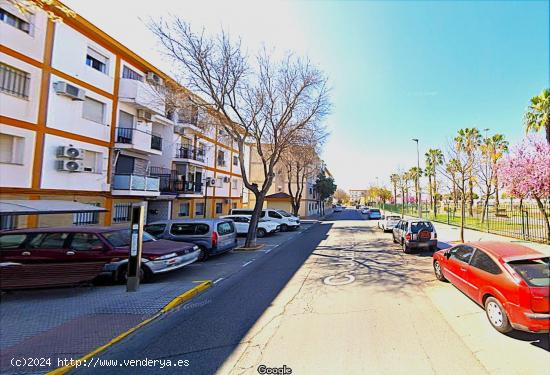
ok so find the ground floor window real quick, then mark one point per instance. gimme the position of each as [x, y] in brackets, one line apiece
[234, 205]
[219, 208]
[86, 218]
[8, 222]
[184, 209]
[199, 209]
[122, 212]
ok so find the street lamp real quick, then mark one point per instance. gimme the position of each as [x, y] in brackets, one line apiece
[419, 193]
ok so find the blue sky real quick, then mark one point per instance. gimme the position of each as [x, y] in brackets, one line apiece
[398, 69]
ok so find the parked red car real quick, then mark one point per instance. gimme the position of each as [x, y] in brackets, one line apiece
[512, 282]
[67, 256]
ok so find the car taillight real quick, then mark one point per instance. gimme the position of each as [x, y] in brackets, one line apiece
[214, 239]
[408, 236]
[150, 257]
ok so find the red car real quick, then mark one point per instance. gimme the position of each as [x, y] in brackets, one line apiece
[66, 256]
[512, 282]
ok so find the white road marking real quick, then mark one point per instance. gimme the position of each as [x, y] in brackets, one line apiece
[247, 263]
[218, 280]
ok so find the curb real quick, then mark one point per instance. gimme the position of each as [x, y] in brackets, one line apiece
[169, 306]
[254, 248]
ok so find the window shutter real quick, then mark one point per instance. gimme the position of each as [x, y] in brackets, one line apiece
[93, 110]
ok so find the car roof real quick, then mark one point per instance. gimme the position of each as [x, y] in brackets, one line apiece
[506, 250]
[74, 229]
[189, 221]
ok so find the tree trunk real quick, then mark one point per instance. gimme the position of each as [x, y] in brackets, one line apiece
[485, 205]
[471, 197]
[252, 228]
[544, 215]
[394, 194]
[430, 191]
[548, 131]
[497, 202]
[402, 203]
[462, 212]
[435, 195]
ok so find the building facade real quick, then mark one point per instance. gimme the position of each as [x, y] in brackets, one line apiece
[357, 195]
[83, 118]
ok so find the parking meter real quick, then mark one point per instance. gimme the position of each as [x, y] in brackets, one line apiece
[136, 241]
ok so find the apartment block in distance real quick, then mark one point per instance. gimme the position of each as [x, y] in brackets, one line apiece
[83, 118]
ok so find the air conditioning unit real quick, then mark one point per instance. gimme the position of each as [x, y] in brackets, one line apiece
[211, 181]
[178, 129]
[144, 115]
[70, 166]
[154, 78]
[71, 91]
[70, 152]
[226, 179]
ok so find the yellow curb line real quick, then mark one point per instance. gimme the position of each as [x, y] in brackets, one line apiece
[254, 248]
[175, 302]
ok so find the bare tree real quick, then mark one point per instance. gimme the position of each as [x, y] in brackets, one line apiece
[267, 104]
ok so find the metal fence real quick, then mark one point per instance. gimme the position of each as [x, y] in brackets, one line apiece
[512, 218]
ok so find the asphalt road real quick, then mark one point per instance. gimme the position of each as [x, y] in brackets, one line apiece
[339, 299]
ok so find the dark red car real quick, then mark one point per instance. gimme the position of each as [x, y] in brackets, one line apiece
[512, 282]
[66, 256]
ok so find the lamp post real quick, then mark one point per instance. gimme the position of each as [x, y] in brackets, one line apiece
[419, 193]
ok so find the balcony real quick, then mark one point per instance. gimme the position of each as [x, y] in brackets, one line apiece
[141, 94]
[171, 183]
[136, 185]
[138, 140]
[190, 154]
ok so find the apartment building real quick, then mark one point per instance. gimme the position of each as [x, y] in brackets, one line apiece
[83, 118]
[278, 196]
[356, 195]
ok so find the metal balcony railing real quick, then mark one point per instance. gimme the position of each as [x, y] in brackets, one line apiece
[188, 152]
[124, 135]
[156, 142]
[170, 182]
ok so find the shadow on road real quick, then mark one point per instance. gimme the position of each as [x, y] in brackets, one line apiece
[539, 340]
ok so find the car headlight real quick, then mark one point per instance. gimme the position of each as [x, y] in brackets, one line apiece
[167, 256]
[195, 247]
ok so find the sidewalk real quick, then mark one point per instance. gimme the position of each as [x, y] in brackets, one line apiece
[448, 234]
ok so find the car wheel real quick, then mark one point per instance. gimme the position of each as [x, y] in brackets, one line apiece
[497, 315]
[203, 255]
[438, 271]
[406, 249]
[284, 228]
[122, 274]
[261, 232]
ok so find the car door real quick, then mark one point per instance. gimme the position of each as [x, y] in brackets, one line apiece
[483, 272]
[395, 230]
[457, 266]
[88, 254]
[241, 224]
[13, 259]
[226, 235]
[275, 216]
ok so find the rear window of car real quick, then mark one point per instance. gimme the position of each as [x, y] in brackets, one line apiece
[224, 228]
[122, 237]
[48, 241]
[155, 229]
[12, 241]
[375, 210]
[535, 272]
[393, 217]
[421, 225]
[189, 229]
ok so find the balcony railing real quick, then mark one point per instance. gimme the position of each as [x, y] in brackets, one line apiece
[170, 183]
[136, 182]
[221, 162]
[187, 152]
[124, 135]
[156, 142]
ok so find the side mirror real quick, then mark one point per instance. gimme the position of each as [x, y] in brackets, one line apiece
[383, 217]
[447, 254]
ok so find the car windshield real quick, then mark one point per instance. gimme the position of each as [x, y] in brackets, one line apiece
[421, 225]
[375, 210]
[392, 218]
[284, 213]
[121, 237]
[536, 272]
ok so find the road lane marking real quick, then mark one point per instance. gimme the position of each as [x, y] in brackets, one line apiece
[247, 263]
[218, 280]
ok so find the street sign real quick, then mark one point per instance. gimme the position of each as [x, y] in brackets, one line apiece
[134, 258]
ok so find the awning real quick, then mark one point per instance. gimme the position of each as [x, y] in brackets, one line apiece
[44, 207]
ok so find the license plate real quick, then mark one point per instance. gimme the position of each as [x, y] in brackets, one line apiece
[171, 261]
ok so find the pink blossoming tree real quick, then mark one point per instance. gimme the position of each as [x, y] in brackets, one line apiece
[525, 172]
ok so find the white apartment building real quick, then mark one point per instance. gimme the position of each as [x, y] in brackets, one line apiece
[81, 119]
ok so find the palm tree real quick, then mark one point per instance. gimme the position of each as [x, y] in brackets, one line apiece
[538, 114]
[414, 174]
[451, 168]
[434, 158]
[394, 178]
[499, 146]
[468, 140]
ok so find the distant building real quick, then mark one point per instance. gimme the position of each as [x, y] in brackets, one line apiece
[355, 195]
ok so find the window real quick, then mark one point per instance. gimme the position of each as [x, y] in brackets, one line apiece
[96, 60]
[155, 229]
[221, 158]
[122, 237]
[418, 226]
[219, 208]
[234, 184]
[274, 215]
[8, 222]
[189, 229]
[12, 241]
[86, 242]
[535, 272]
[184, 209]
[131, 74]
[199, 208]
[122, 212]
[48, 241]
[14, 21]
[484, 262]
[92, 161]
[14, 81]
[462, 253]
[11, 149]
[93, 110]
[235, 160]
[85, 218]
[234, 205]
[225, 228]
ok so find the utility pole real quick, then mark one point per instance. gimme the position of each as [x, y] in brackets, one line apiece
[419, 193]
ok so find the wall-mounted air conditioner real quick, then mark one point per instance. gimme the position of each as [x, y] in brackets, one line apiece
[70, 166]
[178, 129]
[70, 152]
[226, 179]
[144, 115]
[71, 91]
[211, 181]
[154, 78]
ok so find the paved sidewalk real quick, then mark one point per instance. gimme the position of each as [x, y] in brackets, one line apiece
[65, 323]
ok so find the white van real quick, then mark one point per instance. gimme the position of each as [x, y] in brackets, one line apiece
[285, 220]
